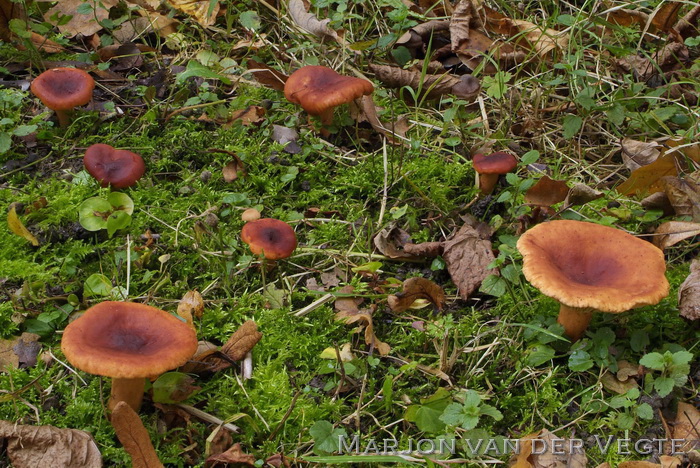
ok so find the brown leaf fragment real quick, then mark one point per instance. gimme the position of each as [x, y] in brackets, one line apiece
[278, 460]
[198, 363]
[614, 384]
[414, 289]
[430, 86]
[666, 16]
[646, 179]
[349, 312]
[218, 441]
[238, 345]
[369, 113]
[309, 22]
[688, 25]
[689, 293]
[672, 232]
[658, 201]
[544, 41]
[267, 76]
[580, 194]
[464, 18]
[251, 115]
[191, 303]
[134, 437]
[19, 352]
[390, 241]
[684, 194]
[687, 427]
[232, 169]
[566, 454]
[467, 257]
[546, 192]
[626, 369]
[203, 11]
[79, 23]
[627, 17]
[636, 154]
[44, 446]
[424, 249]
[17, 227]
[233, 456]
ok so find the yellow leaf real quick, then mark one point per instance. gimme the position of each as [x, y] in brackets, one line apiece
[198, 9]
[18, 228]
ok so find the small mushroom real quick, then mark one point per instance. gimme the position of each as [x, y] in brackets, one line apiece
[320, 89]
[588, 267]
[491, 167]
[128, 342]
[271, 238]
[110, 166]
[63, 89]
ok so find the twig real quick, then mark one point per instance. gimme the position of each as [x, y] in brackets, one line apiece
[197, 413]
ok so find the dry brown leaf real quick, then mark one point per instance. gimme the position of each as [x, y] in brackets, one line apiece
[683, 194]
[467, 257]
[614, 384]
[626, 369]
[238, 345]
[390, 241]
[638, 464]
[8, 11]
[191, 302]
[85, 24]
[464, 17]
[542, 40]
[687, 427]
[666, 16]
[689, 293]
[430, 86]
[349, 312]
[636, 154]
[658, 201]
[627, 17]
[134, 437]
[19, 352]
[672, 232]
[251, 115]
[309, 22]
[413, 289]
[234, 456]
[267, 76]
[564, 458]
[687, 26]
[198, 363]
[39, 446]
[546, 192]
[369, 113]
[16, 226]
[647, 179]
[580, 194]
[233, 169]
[201, 10]
[424, 249]
[521, 459]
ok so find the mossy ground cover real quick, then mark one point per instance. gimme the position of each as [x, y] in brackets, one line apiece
[184, 235]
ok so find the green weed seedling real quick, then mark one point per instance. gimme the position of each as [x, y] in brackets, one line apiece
[111, 213]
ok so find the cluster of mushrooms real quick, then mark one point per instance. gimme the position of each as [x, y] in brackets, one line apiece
[585, 266]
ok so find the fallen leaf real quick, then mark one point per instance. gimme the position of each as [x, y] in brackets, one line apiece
[288, 137]
[218, 441]
[672, 232]
[684, 194]
[197, 363]
[626, 369]
[19, 352]
[277, 460]
[233, 455]
[638, 464]
[687, 427]
[467, 257]
[190, 303]
[580, 194]
[17, 227]
[636, 154]
[203, 11]
[542, 40]
[614, 384]
[79, 23]
[689, 293]
[658, 201]
[35, 446]
[308, 22]
[238, 345]
[666, 16]
[429, 86]
[646, 179]
[546, 192]
[267, 76]
[390, 240]
[251, 115]
[10, 10]
[563, 457]
[134, 437]
[424, 249]
[345, 353]
[232, 169]
[414, 289]
[522, 458]
[349, 313]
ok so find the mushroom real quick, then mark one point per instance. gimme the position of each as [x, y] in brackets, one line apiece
[319, 89]
[62, 89]
[588, 267]
[128, 342]
[491, 167]
[271, 238]
[110, 166]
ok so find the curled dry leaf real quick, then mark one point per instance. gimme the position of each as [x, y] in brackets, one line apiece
[546, 192]
[431, 86]
[414, 289]
[309, 22]
[349, 312]
[424, 249]
[203, 11]
[636, 154]
[672, 232]
[536, 452]
[614, 384]
[190, 303]
[32, 446]
[658, 201]
[19, 352]
[390, 241]
[134, 437]
[544, 41]
[647, 179]
[580, 194]
[267, 76]
[687, 427]
[368, 112]
[689, 293]
[233, 456]
[238, 345]
[467, 257]
[16, 226]
[233, 169]
[683, 194]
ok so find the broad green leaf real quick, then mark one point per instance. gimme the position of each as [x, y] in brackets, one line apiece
[325, 437]
[97, 285]
[539, 355]
[572, 124]
[653, 361]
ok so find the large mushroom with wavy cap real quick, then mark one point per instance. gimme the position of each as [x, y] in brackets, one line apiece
[320, 89]
[589, 267]
[128, 342]
[62, 89]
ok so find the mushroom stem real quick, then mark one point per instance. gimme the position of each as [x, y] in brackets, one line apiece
[487, 182]
[127, 390]
[574, 320]
[63, 118]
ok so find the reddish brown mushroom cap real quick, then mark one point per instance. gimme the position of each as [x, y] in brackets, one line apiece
[110, 166]
[62, 89]
[318, 89]
[586, 265]
[272, 238]
[496, 163]
[127, 340]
